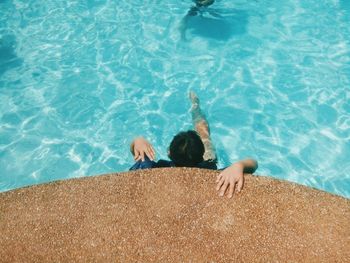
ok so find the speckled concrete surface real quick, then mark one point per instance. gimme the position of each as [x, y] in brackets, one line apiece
[172, 215]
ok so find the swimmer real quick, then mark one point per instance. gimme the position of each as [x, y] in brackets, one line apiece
[194, 148]
[197, 8]
[200, 8]
[204, 2]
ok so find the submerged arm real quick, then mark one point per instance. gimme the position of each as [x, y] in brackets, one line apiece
[201, 125]
[249, 165]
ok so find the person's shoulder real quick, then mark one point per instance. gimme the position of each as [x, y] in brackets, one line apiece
[208, 164]
[163, 163]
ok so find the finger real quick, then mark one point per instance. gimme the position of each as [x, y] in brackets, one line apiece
[231, 190]
[152, 150]
[143, 156]
[240, 184]
[218, 177]
[137, 154]
[221, 181]
[150, 153]
[223, 188]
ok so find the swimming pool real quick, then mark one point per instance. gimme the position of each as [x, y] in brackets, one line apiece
[80, 79]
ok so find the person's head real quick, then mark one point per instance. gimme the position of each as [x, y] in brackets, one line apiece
[186, 149]
[200, 3]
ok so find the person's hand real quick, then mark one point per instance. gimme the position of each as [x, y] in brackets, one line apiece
[142, 148]
[230, 179]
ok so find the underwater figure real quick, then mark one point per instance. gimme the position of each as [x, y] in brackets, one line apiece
[200, 8]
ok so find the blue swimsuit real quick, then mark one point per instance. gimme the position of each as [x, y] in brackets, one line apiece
[148, 164]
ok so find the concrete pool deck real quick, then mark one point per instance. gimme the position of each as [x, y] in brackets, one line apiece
[172, 215]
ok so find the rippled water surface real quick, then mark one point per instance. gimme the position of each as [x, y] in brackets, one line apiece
[80, 79]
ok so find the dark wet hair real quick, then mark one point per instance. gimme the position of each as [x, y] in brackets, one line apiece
[186, 149]
[200, 3]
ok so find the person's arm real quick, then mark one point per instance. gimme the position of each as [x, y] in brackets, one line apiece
[201, 126]
[141, 147]
[232, 178]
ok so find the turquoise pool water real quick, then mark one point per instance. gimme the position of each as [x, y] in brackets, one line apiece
[80, 79]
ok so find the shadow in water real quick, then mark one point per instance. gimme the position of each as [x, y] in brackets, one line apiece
[8, 56]
[215, 24]
[345, 6]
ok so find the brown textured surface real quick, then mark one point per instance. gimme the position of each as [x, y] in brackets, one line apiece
[172, 215]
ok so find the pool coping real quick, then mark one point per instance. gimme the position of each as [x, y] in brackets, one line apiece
[172, 214]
